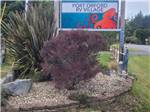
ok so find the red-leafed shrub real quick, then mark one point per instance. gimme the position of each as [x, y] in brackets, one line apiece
[70, 57]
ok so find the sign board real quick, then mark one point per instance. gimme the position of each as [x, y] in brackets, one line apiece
[91, 14]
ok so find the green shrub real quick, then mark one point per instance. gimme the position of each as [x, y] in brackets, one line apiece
[39, 76]
[131, 39]
[104, 59]
[142, 34]
[26, 33]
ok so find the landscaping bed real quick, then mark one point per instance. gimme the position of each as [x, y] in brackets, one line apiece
[44, 95]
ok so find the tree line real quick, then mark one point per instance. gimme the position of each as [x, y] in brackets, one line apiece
[137, 30]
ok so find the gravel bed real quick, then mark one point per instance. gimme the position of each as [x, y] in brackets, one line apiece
[104, 85]
[45, 94]
[42, 94]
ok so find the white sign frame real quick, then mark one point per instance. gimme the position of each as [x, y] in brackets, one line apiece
[118, 29]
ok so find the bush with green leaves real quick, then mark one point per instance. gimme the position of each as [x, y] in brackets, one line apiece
[25, 34]
[12, 6]
[131, 39]
[142, 35]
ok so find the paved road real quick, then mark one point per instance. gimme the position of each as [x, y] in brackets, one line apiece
[138, 49]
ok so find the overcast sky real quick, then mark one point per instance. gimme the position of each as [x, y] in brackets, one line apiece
[135, 6]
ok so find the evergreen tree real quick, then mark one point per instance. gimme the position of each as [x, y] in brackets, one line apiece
[137, 29]
[146, 21]
[138, 20]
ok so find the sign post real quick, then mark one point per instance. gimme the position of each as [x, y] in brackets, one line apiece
[122, 27]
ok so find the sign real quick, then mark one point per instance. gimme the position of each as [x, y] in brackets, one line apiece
[91, 14]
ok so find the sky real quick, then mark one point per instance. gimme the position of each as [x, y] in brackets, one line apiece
[135, 6]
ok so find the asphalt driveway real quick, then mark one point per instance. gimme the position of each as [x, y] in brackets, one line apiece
[138, 49]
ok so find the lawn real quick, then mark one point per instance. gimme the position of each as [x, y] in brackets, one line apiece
[4, 69]
[140, 67]
[133, 49]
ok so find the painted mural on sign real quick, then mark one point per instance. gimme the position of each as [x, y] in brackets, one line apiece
[97, 14]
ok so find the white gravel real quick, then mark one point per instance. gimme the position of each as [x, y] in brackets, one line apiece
[45, 94]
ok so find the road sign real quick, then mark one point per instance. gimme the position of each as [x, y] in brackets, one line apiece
[91, 14]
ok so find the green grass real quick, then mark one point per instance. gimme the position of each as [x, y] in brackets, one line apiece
[5, 68]
[133, 49]
[140, 67]
[116, 45]
[104, 58]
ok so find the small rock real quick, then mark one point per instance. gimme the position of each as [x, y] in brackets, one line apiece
[18, 87]
[131, 77]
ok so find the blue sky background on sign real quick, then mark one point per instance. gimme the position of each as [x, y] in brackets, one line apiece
[73, 22]
[81, 20]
